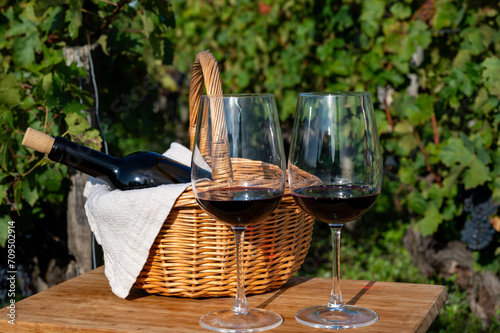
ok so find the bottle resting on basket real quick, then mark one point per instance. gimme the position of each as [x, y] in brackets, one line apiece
[137, 170]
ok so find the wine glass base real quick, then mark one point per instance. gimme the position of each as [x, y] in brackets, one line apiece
[336, 317]
[253, 320]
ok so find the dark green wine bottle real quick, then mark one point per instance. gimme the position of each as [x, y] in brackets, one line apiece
[137, 170]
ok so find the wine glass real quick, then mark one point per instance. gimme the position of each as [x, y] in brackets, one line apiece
[238, 177]
[335, 175]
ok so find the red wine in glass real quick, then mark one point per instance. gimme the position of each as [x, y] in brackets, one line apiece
[335, 204]
[240, 206]
[238, 178]
[335, 175]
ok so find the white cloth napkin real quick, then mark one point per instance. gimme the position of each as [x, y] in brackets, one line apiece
[126, 223]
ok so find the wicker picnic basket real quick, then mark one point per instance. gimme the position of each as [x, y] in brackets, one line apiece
[194, 255]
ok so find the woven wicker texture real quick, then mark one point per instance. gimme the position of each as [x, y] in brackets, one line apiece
[194, 255]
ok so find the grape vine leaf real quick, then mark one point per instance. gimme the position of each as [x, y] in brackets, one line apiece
[74, 17]
[47, 82]
[400, 11]
[90, 138]
[431, 221]
[445, 15]
[164, 10]
[462, 57]
[4, 229]
[24, 49]
[79, 131]
[30, 193]
[77, 124]
[455, 152]
[417, 202]
[51, 179]
[451, 179]
[472, 40]
[476, 174]
[4, 153]
[490, 74]
[21, 27]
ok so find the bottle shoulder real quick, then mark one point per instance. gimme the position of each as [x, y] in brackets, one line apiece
[144, 157]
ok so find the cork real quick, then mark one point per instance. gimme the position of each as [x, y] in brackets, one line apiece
[38, 141]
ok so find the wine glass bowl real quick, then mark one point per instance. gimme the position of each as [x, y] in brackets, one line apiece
[238, 178]
[335, 175]
[253, 193]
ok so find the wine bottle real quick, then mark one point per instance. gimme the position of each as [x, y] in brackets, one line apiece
[137, 170]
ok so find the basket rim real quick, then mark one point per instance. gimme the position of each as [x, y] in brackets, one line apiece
[241, 95]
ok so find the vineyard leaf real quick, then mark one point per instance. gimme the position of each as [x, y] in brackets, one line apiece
[3, 193]
[446, 12]
[90, 138]
[30, 194]
[164, 10]
[4, 153]
[9, 81]
[477, 39]
[425, 107]
[103, 42]
[476, 174]
[462, 57]
[18, 195]
[21, 28]
[431, 221]
[496, 189]
[51, 179]
[372, 10]
[451, 179]
[74, 17]
[8, 117]
[450, 210]
[4, 229]
[77, 124]
[54, 18]
[342, 19]
[10, 97]
[23, 50]
[406, 174]
[472, 41]
[455, 152]
[73, 107]
[435, 193]
[490, 74]
[400, 10]
[47, 82]
[481, 105]
[417, 202]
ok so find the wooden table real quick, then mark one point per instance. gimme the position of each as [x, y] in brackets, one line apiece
[86, 304]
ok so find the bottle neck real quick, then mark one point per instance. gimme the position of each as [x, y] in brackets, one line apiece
[84, 159]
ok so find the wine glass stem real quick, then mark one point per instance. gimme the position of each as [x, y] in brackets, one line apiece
[240, 303]
[336, 296]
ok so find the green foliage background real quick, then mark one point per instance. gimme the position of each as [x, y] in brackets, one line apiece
[40, 89]
[444, 137]
[440, 137]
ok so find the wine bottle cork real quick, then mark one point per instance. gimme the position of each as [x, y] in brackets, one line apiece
[38, 141]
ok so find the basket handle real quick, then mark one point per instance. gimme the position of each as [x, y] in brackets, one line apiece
[205, 70]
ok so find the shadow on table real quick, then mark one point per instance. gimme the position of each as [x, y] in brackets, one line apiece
[356, 298]
[294, 281]
[136, 293]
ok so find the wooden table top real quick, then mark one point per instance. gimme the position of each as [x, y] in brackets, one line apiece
[86, 304]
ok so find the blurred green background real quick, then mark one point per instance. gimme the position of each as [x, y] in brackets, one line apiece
[433, 69]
